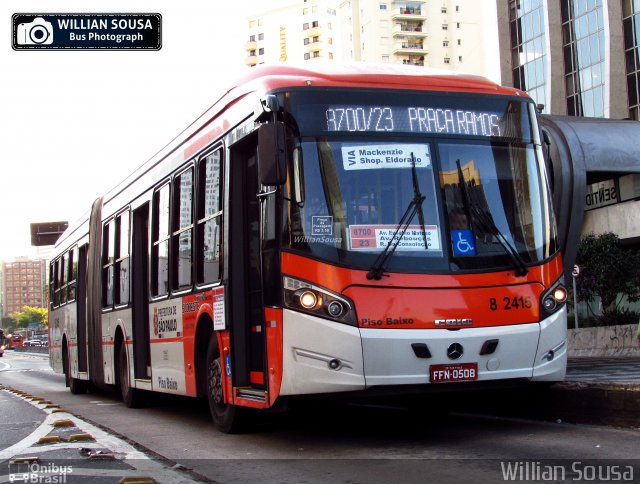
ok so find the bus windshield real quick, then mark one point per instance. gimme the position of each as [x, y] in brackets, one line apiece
[431, 202]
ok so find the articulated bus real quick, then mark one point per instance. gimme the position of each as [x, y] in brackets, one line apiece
[326, 229]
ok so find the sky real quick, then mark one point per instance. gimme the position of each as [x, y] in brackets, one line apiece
[74, 123]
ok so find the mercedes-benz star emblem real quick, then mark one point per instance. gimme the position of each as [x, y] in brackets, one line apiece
[454, 351]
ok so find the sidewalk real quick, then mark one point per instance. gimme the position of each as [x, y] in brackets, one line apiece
[599, 391]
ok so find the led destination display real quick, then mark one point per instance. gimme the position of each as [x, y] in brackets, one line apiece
[414, 119]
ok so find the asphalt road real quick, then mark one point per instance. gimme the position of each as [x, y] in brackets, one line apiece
[349, 443]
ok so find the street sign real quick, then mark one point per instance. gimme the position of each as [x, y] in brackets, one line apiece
[576, 271]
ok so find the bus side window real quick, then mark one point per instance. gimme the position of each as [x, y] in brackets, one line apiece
[160, 242]
[72, 272]
[108, 256]
[182, 247]
[62, 280]
[208, 249]
[122, 259]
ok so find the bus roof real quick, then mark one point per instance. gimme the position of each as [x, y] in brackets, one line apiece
[365, 74]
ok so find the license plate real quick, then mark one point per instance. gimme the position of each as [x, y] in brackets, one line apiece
[457, 372]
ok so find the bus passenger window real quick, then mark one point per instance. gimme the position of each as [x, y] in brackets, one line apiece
[160, 239]
[108, 256]
[122, 259]
[182, 230]
[209, 219]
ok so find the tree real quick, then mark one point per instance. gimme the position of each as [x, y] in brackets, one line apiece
[29, 315]
[607, 271]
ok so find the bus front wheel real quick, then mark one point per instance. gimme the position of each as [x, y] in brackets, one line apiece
[228, 418]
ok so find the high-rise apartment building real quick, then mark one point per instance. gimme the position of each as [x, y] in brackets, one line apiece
[302, 30]
[451, 34]
[577, 57]
[23, 284]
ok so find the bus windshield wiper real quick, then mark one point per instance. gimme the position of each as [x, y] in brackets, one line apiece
[415, 206]
[485, 220]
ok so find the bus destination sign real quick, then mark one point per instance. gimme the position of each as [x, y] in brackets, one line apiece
[414, 119]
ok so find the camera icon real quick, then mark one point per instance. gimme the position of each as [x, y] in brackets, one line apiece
[37, 32]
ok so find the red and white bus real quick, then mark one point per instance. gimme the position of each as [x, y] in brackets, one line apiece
[321, 229]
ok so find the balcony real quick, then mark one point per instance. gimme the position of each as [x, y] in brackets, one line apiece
[408, 13]
[416, 48]
[313, 47]
[251, 60]
[313, 31]
[411, 60]
[251, 45]
[409, 30]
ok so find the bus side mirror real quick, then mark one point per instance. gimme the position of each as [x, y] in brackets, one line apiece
[272, 168]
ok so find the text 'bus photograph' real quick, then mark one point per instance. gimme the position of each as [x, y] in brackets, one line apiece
[323, 230]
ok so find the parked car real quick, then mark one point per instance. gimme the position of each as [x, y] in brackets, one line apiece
[1, 350]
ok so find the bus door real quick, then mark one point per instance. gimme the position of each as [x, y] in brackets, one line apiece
[81, 308]
[246, 314]
[140, 292]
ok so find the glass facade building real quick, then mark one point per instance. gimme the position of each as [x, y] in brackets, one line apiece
[631, 24]
[583, 39]
[528, 47]
[577, 57]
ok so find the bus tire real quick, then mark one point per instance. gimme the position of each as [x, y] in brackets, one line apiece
[226, 417]
[132, 397]
[76, 386]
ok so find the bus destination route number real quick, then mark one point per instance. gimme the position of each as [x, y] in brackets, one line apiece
[457, 372]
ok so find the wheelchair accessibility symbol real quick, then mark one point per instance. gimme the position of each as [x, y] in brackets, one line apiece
[463, 242]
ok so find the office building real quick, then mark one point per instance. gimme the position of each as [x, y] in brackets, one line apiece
[576, 57]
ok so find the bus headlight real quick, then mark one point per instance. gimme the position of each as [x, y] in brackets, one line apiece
[553, 299]
[318, 301]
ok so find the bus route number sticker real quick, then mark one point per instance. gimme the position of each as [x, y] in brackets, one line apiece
[377, 237]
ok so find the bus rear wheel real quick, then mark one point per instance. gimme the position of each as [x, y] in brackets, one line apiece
[76, 386]
[132, 397]
[228, 418]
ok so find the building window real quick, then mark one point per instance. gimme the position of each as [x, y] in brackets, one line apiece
[447, 60]
[307, 56]
[383, 6]
[315, 23]
[459, 58]
[261, 51]
[305, 26]
[457, 8]
[252, 38]
[260, 36]
[443, 9]
[445, 27]
[459, 41]
[445, 43]
[306, 41]
[528, 51]
[631, 24]
[584, 56]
